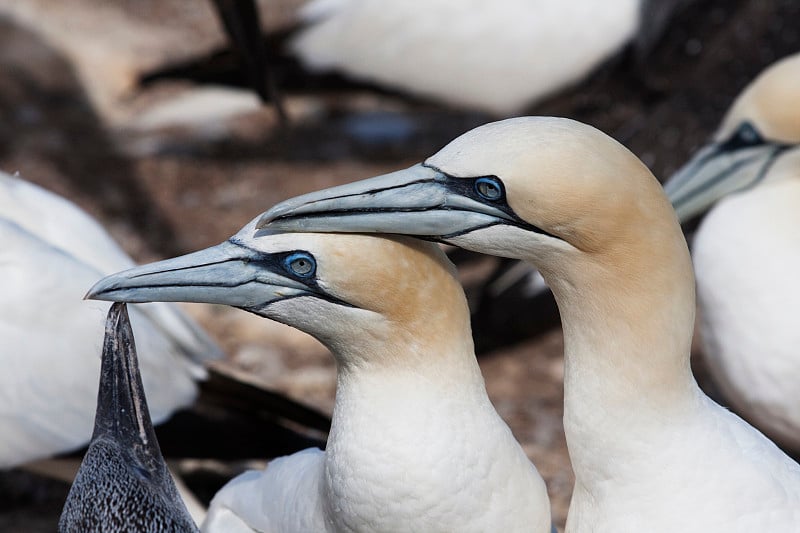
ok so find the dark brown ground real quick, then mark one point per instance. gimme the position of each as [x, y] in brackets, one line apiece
[179, 190]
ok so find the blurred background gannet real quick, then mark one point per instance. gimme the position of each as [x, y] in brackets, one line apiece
[746, 252]
[123, 483]
[650, 451]
[497, 58]
[50, 252]
[415, 443]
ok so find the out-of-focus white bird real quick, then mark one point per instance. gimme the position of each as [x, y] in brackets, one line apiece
[415, 444]
[746, 252]
[496, 57]
[123, 483]
[651, 452]
[51, 252]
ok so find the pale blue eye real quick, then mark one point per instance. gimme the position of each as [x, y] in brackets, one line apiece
[489, 188]
[301, 264]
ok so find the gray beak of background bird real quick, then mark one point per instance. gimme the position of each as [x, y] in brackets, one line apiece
[419, 200]
[229, 273]
[714, 172]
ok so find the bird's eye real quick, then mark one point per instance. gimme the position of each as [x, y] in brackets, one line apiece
[748, 134]
[301, 264]
[744, 137]
[489, 188]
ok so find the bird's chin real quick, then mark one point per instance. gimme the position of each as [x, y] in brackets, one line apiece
[502, 240]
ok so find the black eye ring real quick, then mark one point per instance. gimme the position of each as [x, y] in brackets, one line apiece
[300, 264]
[489, 188]
[746, 136]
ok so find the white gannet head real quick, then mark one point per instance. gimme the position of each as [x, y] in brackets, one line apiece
[536, 188]
[358, 294]
[757, 142]
[578, 206]
[409, 389]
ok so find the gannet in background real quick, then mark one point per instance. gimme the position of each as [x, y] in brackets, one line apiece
[415, 444]
[746, 252]
[651, 452]
[50, 251]
[123, 483]
[497, 57]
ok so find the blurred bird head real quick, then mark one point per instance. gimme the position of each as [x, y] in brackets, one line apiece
[758, 141]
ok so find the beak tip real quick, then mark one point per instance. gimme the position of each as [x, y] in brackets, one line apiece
[275, 213]
[103, 289]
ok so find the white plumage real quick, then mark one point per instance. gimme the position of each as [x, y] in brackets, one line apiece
[494, 56]
[747, 259]
[651, 452]
[50, 338]
[746, 251]
[415, 444]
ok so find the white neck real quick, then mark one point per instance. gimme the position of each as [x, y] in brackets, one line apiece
[402, 393]
[426, 433]
[628, 316]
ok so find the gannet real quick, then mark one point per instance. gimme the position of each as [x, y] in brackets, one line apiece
[123, 483]
[651, 452]
[50, 251]
[746, 252]
[497, 57]
[415, 444]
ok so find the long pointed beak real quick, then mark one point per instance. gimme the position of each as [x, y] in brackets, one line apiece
[229, 273]
[419, 200]
[123, 462]
[121, 405]
[714, 173]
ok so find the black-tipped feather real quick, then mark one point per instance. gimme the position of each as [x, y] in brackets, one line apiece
[241, 22]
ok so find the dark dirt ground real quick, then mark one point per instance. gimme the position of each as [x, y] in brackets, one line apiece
[178, 190]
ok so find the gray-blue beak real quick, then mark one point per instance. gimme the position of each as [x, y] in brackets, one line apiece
[229, 273]
[419, 200]
[716, 171]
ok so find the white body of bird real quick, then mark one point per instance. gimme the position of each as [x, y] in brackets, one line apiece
[746, 252]
[404, 453]
[496, 57]
[747, 256]
[651, 452]
[50, 338]
[415, 443]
